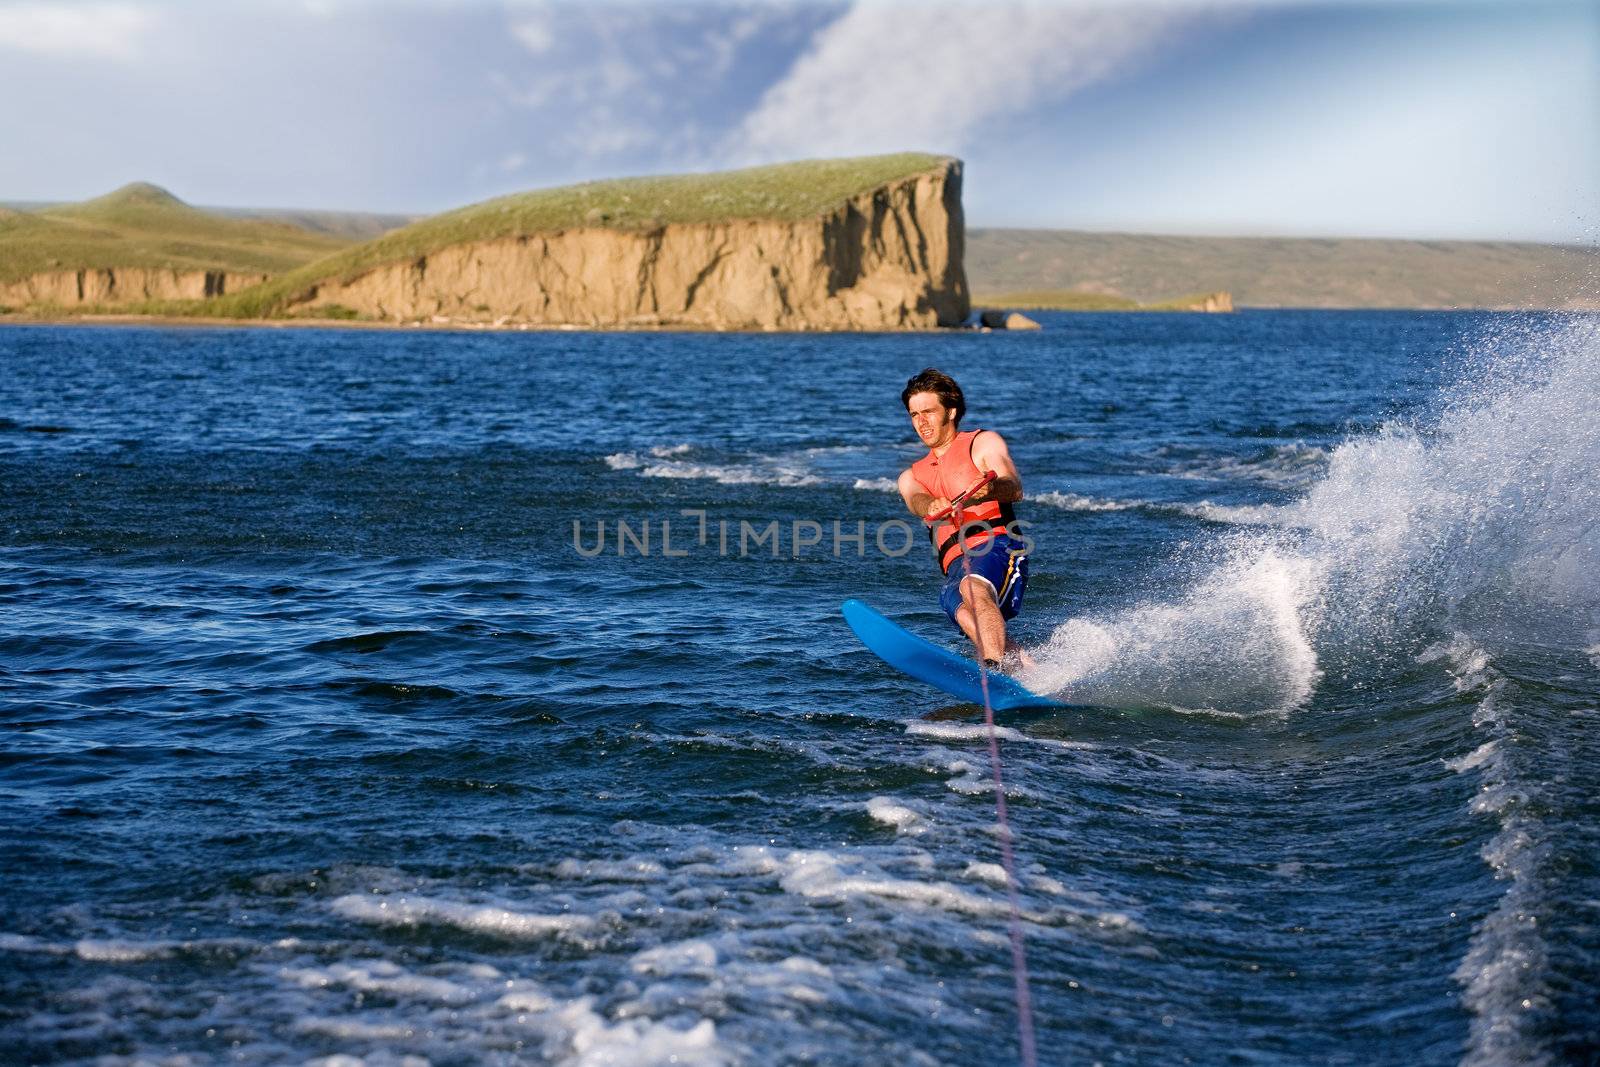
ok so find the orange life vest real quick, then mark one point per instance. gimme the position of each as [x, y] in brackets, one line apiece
[948, 476]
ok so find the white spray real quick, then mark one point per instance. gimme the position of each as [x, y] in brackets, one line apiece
[1484, 519]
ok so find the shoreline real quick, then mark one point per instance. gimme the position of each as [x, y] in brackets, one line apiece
[216, 322]
[201, 321]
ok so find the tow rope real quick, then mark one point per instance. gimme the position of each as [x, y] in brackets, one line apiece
[1019, 955]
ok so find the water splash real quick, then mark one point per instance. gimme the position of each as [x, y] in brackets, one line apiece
[1234, 640]
[1481, 518]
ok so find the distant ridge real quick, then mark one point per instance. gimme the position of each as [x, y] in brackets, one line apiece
[1285, 272]
[346, 225]
[145, 227]
[134, 194]
[343, 225]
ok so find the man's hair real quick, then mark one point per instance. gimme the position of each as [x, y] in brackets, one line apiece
[940, 385]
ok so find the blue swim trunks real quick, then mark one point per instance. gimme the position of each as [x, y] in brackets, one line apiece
[1004, 566]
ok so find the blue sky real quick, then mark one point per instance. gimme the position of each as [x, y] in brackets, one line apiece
[1432, 119]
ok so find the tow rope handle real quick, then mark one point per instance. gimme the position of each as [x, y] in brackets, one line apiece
[955, 505]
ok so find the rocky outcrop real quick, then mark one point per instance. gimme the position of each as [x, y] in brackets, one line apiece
[1006, 320]
[1220, 301]
[889, 258]
[113, 286]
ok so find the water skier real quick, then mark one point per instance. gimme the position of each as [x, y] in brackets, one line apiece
[982, 594]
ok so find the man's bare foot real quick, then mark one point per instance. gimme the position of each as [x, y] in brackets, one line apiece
[1017, 660]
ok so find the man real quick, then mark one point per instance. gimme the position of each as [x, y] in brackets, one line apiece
[982, 593]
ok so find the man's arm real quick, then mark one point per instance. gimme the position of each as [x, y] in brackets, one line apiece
[989, 453]
[920, 502]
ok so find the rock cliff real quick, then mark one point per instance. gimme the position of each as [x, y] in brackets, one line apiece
[888, 258]
[114, 286]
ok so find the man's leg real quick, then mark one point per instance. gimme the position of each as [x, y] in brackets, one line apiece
[980, 619]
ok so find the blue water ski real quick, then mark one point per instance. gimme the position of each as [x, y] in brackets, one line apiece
[939, 667]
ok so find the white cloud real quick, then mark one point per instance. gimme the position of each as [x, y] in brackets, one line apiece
[639, 84]
[888, 76]
[103, 30]
[534, 36]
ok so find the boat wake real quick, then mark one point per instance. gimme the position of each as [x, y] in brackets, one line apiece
[1482, 518]
[1466, 539]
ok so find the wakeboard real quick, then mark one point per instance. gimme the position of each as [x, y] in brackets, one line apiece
[939, 667]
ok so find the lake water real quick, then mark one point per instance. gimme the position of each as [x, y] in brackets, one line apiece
[328, 733]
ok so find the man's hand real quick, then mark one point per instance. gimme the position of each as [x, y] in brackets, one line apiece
[1005, 490]
[935, 505]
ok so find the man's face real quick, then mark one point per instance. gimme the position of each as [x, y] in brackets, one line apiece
[934, 422]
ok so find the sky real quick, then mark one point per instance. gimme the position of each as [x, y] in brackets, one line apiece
[1437, 119]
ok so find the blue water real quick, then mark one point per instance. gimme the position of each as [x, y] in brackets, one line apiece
[326, 736]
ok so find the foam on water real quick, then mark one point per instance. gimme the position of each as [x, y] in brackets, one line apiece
[125, 949]
[444, 1009]
[640, 870]
[783, 470]
[1483, 516]
[414, 910]
[978, 733]
[682, 957]
[973, 780]
[1286, 466]
[1077, 502]
[991, 873]
[121, 951]
[887, 811]
[715, 953]
[1505, 970]
[819, 873]
[1238, 514]
[961, 731]
[1235, 514]
[379, 976]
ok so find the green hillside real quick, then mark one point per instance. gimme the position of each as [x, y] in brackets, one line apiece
[345, 225]
[788, 191]
[1283, 272]
[142, 225]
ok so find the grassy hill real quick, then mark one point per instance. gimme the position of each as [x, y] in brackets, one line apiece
[142, 225]
[789, 191]
[345, 225]
[1059, 266]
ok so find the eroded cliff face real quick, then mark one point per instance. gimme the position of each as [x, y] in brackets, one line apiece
[889, 259]
[113, 286]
